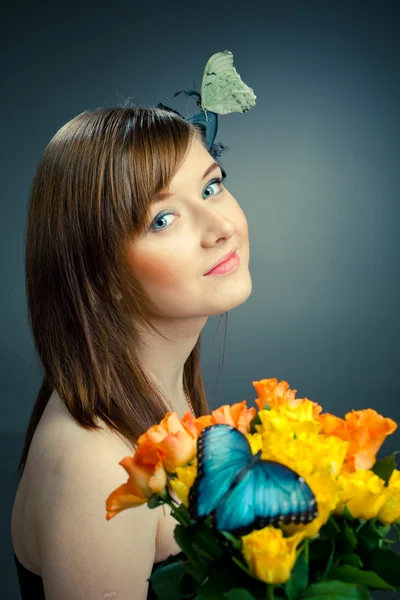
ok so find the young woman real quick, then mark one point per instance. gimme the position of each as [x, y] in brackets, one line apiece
[128, 213]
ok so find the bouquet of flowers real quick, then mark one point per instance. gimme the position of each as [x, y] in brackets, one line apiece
[281, 502]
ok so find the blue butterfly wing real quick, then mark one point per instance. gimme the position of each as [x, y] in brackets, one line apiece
[223, 452]
[287, 499]
[237, 510]
[269, 493]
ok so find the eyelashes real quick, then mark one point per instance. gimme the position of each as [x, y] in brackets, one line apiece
[162, 215]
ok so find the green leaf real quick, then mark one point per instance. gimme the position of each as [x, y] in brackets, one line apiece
[182, 512]
[368, 536]
[378, 528]
[256, 421]
[225, 576]
[346, 514]
[348, 541]
[386, 542]
[219, 582]
[352, 559]
[330, 529]
[335, 590]
[205, 540]
[236, 542]
[190, 583]
[298, 579]
[155, 500]
[385, 466]
[166, 580]
[208, 596]
[184, 541]
[238, 594]
[351, 574]
[386, 563]
[243, 566]
[372, 535]
[320, 556]
[198, 572]
[361, 523]
[330, 561]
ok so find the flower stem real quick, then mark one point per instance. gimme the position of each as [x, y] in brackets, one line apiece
[306, 550]
[239, 564]
[174, 505]
[270, 591]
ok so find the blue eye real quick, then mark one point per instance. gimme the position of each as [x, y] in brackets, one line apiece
[216, 180]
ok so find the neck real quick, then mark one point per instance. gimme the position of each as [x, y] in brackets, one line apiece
[164, 359]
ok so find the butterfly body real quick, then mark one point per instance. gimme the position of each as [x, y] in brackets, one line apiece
[241, 490]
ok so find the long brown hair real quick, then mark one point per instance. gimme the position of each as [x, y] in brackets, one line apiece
[90, 194]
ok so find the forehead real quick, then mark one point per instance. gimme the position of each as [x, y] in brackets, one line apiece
[196, 166]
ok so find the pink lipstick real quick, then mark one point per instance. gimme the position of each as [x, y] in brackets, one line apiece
[226, 267]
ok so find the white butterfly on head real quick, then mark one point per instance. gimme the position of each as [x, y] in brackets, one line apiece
[222, 92]
[222, 89]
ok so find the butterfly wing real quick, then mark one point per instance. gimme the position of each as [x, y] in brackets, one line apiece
[268, 494]
[290, 497]
[237, 511]
[222, 454]
[222, 89]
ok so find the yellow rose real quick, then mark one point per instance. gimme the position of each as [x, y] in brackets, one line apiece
[255, 441]
[305, 453]
[182, 484]
[269, 555]
[390, 511]
[363, 492]
[286, 418]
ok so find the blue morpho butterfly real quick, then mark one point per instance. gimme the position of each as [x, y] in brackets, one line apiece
[241, 490]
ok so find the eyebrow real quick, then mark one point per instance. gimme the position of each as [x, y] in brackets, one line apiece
[160, 197]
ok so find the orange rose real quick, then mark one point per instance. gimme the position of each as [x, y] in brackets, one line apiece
[174, 442]
[366, 430]
[333, 425]
[273, 394]
[193, 425]
[237, 415]
[165, 446]
[147, 476]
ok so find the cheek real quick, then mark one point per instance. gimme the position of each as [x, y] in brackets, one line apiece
[153, 269]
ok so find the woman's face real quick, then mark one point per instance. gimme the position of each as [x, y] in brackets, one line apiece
[170, 260]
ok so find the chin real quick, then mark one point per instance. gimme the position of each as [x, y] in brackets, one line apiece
[230, 297]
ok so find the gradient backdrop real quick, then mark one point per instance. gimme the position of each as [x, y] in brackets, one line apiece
[315, 166]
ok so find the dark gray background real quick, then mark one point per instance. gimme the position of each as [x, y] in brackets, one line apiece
[315, 167]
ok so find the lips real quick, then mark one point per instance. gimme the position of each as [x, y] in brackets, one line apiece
[222, 259]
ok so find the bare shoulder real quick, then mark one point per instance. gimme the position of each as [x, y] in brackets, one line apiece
[83, 555]
[72, 456]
